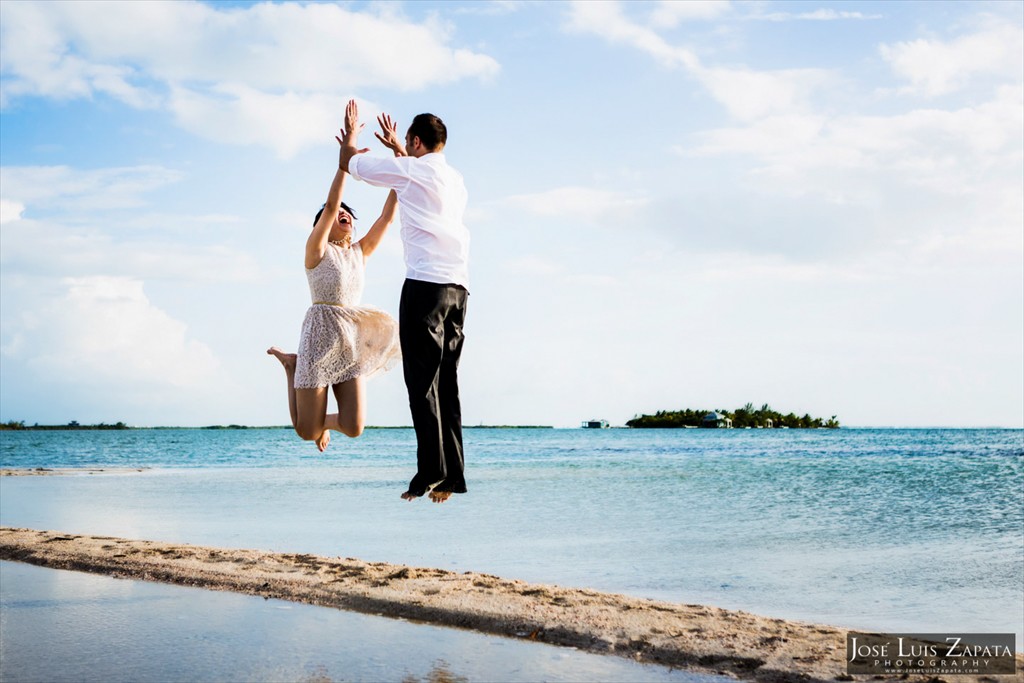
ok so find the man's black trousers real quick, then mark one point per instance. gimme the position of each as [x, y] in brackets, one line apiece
[430, 320]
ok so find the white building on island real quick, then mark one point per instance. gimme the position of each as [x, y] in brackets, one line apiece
[715, 420]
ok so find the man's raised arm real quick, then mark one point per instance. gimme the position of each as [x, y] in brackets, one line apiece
[389, 128]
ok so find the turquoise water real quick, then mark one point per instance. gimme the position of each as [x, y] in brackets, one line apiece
[900, 530]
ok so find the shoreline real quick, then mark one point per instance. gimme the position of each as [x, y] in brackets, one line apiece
[67, 471]
[693, 637]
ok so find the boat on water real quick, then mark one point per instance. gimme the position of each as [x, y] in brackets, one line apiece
[595, 424]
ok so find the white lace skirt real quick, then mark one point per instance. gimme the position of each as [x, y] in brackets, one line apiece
[339, 343]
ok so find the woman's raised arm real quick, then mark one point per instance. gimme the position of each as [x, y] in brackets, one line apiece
[316, 244]
[373, 236]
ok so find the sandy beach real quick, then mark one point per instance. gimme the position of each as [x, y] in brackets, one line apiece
[695, 637]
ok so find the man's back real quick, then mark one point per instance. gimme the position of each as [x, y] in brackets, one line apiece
[432, 197]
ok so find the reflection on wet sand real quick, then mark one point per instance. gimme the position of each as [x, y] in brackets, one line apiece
[697, 637]
[440, 673]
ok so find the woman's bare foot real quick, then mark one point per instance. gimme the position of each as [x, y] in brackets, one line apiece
[324, 440]
[440, 496]
[287, 359]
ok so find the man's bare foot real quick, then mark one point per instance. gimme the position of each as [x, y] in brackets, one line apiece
[324, 440]
[440, 496]
[409, 495]
[287, 359]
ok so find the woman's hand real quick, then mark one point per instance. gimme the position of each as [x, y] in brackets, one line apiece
[350, 133]
[390, 135]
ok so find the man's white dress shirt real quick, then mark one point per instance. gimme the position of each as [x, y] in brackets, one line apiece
[432, 197]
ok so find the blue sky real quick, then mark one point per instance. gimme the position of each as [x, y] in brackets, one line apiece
[673, 204]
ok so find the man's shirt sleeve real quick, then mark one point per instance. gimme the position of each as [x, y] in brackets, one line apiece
[379, 171]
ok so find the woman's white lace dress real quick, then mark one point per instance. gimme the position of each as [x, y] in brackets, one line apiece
[341, 339]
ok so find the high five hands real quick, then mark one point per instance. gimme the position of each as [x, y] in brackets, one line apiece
[350, 134]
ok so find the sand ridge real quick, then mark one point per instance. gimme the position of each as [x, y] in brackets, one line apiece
[695, 637]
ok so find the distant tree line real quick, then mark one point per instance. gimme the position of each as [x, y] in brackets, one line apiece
[747, 416]
[20, 424]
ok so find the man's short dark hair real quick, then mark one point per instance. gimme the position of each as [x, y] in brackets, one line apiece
[343, 205]
[430, 130]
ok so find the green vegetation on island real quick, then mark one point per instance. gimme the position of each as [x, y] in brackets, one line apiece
[747, 416]
[20, 424]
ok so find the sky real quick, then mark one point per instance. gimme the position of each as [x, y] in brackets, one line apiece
[814, 205]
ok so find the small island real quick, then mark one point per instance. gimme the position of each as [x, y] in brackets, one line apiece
[746, 417]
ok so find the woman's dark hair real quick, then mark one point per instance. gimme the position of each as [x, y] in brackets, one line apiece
[430, 130]
[343, 205]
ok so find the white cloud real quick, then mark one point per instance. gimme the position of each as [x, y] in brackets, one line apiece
[816, 15]
[577, 202]
[936, 67]
[939, 186]
[950, 152]
[251, 66]
[606, 19]
[532, 265]
[670, 13]
[826, 183]
[57, 249]
[105, 329]
[76, 248]
[749, 94]
[74, 239]
[35, 59]
[10, 211]
[746, 93]
[492, 7]
[237, 114]
[269, 46]
[106, 188]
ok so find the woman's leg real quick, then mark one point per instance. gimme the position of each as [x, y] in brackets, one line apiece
[351, 415]
[311, 408]
[288, 361]
[307, 407]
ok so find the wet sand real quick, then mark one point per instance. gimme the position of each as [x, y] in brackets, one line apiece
[695, 637]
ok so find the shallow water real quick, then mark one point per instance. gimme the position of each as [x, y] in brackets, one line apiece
[67, 626]
[900, 530]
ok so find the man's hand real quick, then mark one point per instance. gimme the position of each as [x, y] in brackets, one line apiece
[390, 135]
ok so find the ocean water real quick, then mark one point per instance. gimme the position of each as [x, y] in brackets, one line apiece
[892, 530]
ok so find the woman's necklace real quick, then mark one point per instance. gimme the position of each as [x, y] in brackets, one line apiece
[342, 242]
